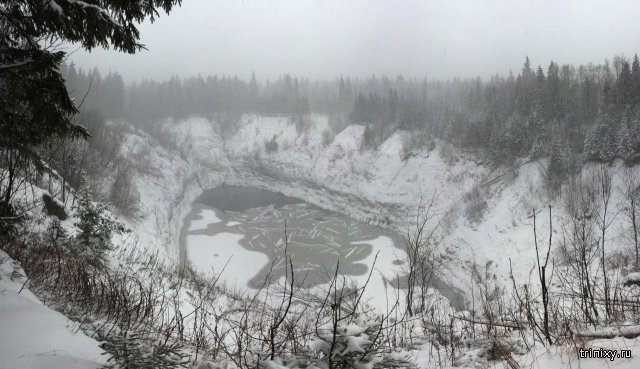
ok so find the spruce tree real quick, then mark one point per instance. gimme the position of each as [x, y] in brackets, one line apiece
[540, 91]
[34, 102]
[132, 350]
[525, 88]
[95, 228]
[624, 86]
[624, 142]
[635, 80]
[553, 92]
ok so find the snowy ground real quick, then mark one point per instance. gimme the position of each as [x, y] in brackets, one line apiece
[34, 336]
[247, 247]
[381, 187]
[567, 356]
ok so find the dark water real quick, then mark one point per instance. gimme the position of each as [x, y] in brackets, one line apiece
[316, 239]
[236, 198]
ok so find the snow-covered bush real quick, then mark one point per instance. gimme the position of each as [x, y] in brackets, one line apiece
[95, 228]
[475, 204]
[485, 350]
[123, 193]
[413, 142]
[357, 345]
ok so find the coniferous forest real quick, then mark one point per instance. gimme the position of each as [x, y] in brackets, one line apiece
[355, 222]
[569, 113]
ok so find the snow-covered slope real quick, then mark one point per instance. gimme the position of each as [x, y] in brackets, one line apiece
[33, 335]
[381, 186]
[168, 180]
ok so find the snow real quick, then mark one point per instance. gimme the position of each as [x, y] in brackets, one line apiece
[35, 336]
[379, 293]
[168, 183]
[380, 186]
[223, 252]
[220, 253]
[205, 217]
[376, 186]
[563, 357]
[628, 331]
[632, 278]
[367, 365]
[355, 344]
[101, 11]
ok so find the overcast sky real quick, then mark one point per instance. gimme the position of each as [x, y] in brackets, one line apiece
[415, 38]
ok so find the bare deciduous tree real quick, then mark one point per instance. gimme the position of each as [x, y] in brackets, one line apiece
[420, 242]
[630, 183]
[602, 179]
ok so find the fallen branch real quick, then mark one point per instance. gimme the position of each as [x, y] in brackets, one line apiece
[632, 279]
[628, 331]
[518, 325]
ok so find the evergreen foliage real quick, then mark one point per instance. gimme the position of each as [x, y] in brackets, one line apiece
[355, 345]
[35, 105]
[95, 228]
[594, 108]
[131, 350]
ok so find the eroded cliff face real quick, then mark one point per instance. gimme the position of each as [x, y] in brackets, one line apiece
[382, 187]
[483, 213]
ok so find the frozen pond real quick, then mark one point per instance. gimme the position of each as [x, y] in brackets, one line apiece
[240, 232]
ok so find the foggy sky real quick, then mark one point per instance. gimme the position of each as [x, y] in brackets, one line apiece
[415, 38]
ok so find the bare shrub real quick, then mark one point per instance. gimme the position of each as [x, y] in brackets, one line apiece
[327, 137]
[630, 185]
[420, 240]
[414, 141]
[271, 146]
[140, 159]
[475, 204]
[448, 153]
[123, 193]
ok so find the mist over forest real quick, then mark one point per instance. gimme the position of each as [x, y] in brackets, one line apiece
[319, 184]
[571, 113]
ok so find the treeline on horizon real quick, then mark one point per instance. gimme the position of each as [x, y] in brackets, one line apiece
[567, 113]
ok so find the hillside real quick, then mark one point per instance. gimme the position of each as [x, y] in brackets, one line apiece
[381, 186]
[482, 215]
[34, 336]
